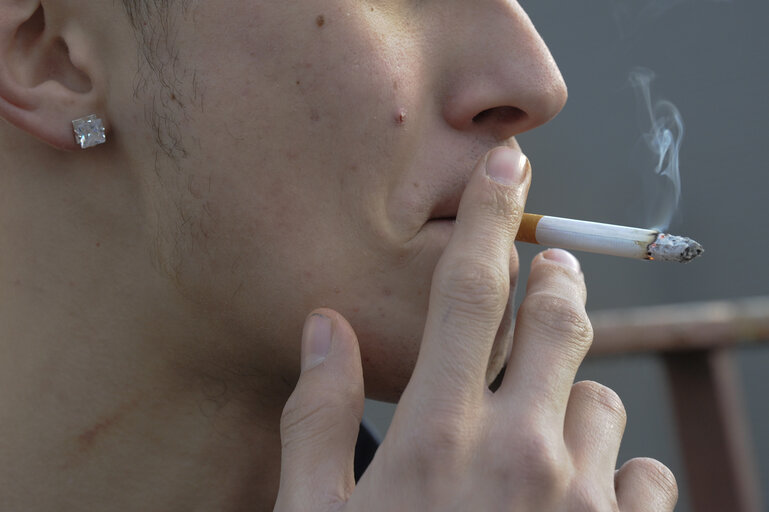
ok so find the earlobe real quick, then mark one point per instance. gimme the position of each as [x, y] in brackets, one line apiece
[42, 89]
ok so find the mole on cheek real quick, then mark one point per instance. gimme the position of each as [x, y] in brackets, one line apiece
[320, 20]
[400, 117]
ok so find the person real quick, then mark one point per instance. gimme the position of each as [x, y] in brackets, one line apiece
[291, 197]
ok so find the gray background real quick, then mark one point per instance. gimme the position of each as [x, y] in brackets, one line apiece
[711, 60]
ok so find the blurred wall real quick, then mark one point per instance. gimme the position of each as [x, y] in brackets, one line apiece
[711, 59]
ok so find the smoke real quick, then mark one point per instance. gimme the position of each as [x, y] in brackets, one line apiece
[663, 131]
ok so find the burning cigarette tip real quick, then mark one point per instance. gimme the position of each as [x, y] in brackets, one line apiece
[674, 248]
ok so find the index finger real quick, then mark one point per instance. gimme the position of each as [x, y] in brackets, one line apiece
[471, 282]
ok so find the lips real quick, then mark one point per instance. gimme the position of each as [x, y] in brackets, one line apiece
[446, 188]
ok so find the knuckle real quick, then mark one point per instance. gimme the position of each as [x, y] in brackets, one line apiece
[295, 420]
[501, 201]
[543, 463]
[450, 431]
[305, 419]
[586, 496]
[659, 476]
[474, 286]
[603, 398]
[439, 450]
[561, 315]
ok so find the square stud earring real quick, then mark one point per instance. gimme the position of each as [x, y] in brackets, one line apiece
[89, 131]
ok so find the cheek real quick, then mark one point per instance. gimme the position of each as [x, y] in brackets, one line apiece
[343, 79]
[314, 106]
[303, 71]
[303, 131]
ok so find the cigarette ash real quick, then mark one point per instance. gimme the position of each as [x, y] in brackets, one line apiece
[673, 248]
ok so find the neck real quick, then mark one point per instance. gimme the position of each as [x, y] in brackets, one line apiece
[109, 404]
[89, 421]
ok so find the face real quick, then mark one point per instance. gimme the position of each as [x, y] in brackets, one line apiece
[316, 138]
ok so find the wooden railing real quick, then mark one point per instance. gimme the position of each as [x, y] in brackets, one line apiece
[694, 341]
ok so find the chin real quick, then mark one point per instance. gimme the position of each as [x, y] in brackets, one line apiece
[389, 331]
[389, 349]
[386, 379]
[387, 365]
[386, 382]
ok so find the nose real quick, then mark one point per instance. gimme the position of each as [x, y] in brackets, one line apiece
[499, 78]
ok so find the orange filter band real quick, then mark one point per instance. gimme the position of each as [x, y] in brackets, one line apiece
[528, 230]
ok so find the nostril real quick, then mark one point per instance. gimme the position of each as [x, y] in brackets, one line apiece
[501, 115]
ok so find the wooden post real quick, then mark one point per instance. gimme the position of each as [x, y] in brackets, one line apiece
[712, 431]
[694, 340]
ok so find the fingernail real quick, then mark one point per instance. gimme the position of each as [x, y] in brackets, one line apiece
[563, 257]
[507, 166]
[317, 341]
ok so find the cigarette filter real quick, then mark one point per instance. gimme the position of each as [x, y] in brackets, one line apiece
[580, 235]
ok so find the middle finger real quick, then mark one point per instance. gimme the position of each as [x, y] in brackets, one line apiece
[552, 336]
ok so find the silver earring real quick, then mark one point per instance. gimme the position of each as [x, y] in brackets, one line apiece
[89, 131]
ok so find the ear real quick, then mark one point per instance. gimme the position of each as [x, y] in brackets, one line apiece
[46, 70]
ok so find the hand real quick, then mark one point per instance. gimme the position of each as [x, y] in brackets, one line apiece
[539, 443]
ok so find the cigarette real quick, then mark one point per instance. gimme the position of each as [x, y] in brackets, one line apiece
[627, 242]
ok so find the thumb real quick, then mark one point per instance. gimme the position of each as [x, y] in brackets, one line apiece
[320, 421]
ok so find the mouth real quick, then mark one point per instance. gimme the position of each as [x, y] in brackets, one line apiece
[442, 227]
[446, 193]
[432, 237]
[446, 209]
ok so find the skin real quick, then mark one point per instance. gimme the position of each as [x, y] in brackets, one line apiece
[269, 159]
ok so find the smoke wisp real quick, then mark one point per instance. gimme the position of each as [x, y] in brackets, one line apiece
[663, 131]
